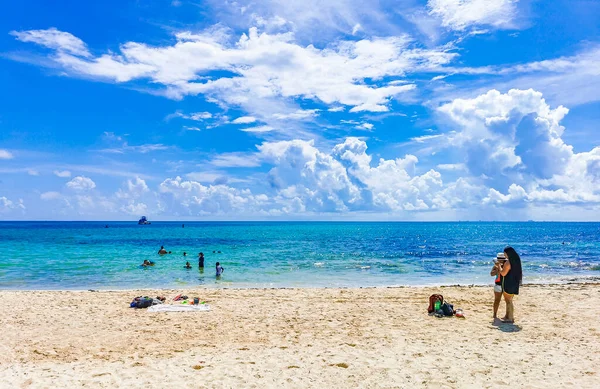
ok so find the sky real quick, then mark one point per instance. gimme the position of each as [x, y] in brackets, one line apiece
[300, 110]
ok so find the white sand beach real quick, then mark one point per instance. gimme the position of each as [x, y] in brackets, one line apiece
[301, 338]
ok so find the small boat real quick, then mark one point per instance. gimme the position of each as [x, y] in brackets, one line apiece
[143, 221]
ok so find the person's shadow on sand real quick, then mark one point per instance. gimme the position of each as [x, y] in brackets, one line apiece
[506, 327]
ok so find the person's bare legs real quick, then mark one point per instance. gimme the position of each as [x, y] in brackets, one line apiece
[497, 298]
[510, 309]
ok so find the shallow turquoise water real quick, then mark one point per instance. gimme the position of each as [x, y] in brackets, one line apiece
[82, 255]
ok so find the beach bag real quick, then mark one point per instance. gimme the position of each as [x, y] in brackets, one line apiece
[432, 299]
[448, 309]
[143, 302]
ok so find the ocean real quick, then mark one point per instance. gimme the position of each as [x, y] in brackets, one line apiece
[87, 255]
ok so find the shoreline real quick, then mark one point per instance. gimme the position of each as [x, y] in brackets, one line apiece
[593, 280]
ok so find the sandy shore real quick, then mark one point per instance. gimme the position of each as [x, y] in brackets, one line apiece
[332, 338]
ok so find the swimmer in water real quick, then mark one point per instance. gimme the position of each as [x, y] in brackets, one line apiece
[219, 269]
[187, 265]
[147, 263]
[201, 260]
[162, 250]
[184, 254]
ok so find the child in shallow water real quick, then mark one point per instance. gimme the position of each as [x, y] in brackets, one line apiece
[187, 265]
[219, 269]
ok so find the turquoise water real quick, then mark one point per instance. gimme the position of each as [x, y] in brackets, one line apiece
[83, 255]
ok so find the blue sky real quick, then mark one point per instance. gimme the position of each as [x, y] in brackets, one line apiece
[272, 109]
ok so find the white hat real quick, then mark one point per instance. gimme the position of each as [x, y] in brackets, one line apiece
[500, 256]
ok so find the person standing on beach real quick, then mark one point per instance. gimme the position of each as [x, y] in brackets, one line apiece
[201, 260]
[500, 259]
[512, 272]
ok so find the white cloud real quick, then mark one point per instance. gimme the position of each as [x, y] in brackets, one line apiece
[451, 167]
[425, 138]
[509, 134]
[33, 172]
[365, 126]
[5, 154]
[133, 189]
[461, 14]
[81, 183]
[50, 196]
[123, 147]
[235, 160]
[314, 20]
[143, 149]
[63, 42]
[193, 198]
[7, 205]
[135, 209]
[190, 128]
[196, 116]
[62, 173]
[569, 80]
[514, 152]
[264, 66]
[259, 129]
[244, 120]
[209, 177]
[297, 115]
[303, 179]
[336, 109]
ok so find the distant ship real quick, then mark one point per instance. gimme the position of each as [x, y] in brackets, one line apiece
[143, 220]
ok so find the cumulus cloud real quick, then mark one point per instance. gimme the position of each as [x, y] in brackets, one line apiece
[5, 154]
[513, 150]
[81, 183]
[197, 199]
[509, 134]
[461, 14]
[133, 189]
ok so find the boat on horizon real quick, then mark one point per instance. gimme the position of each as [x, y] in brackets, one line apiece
[143, 221]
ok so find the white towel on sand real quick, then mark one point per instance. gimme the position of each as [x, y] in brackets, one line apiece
[178, 308]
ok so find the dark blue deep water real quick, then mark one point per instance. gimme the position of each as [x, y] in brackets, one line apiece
[82, 255]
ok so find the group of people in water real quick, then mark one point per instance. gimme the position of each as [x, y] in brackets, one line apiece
[509, 276]
[162, 251]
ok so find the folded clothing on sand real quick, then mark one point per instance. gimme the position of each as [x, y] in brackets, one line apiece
[178, 308]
